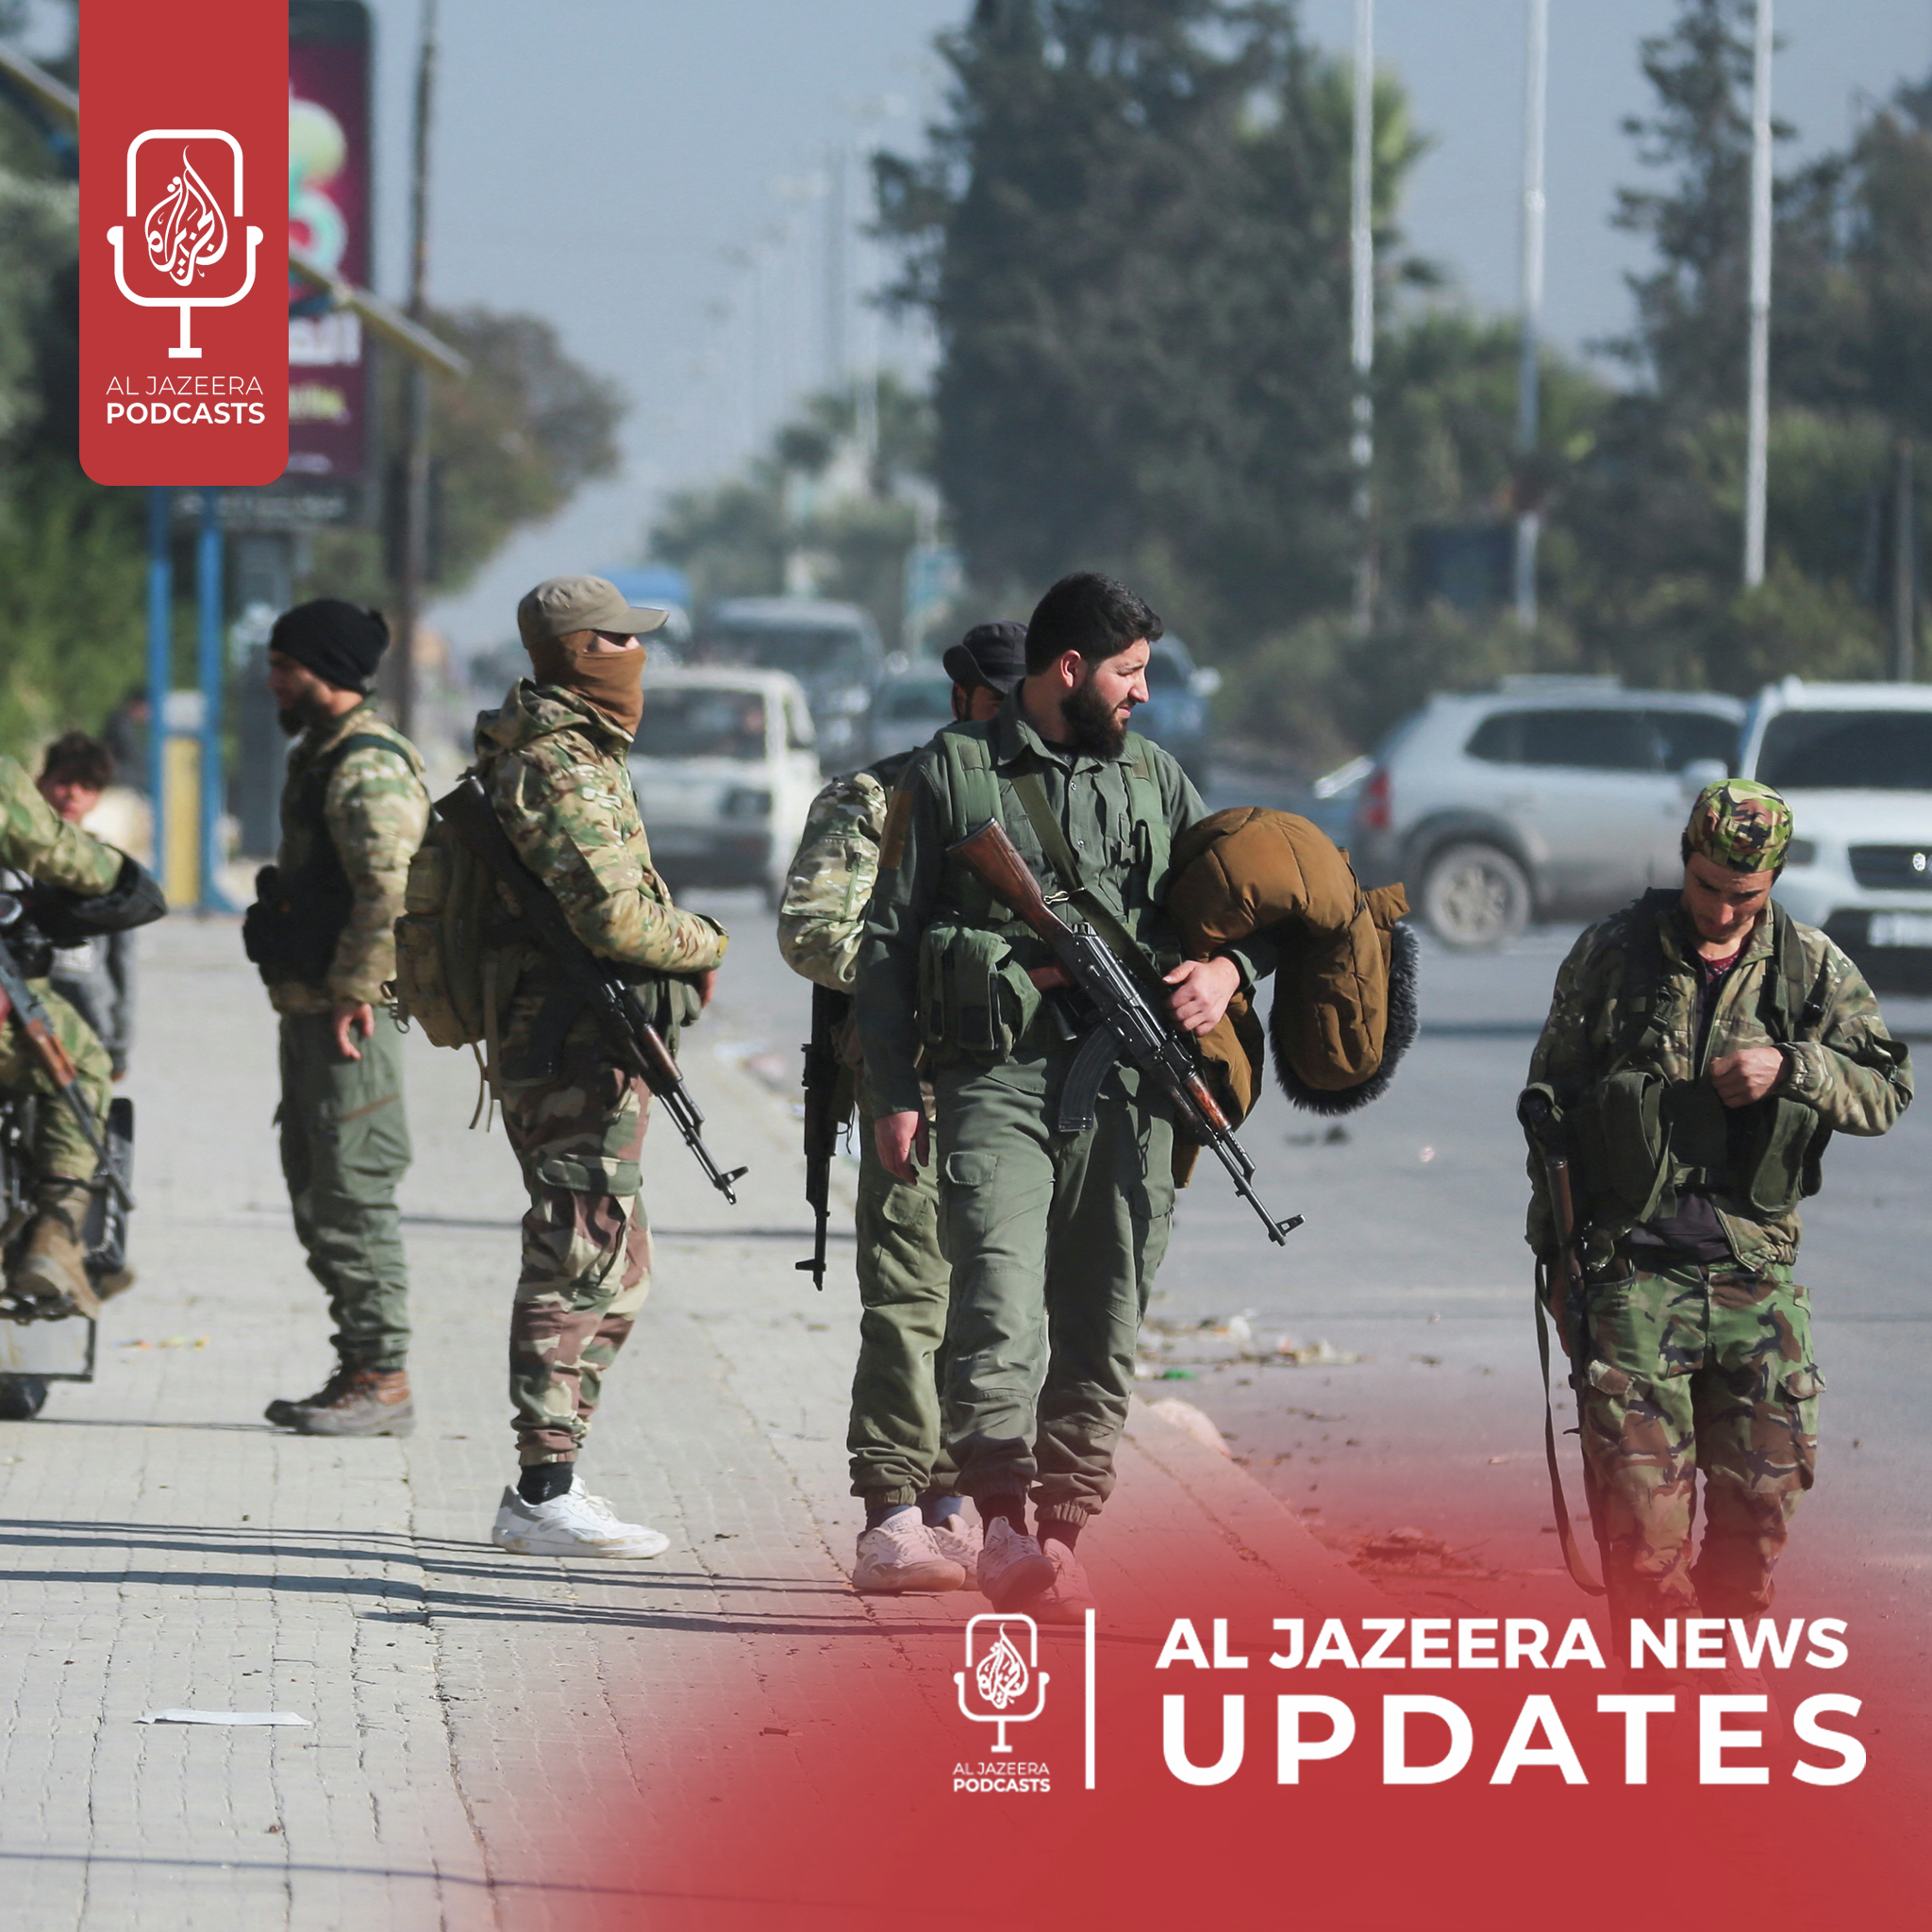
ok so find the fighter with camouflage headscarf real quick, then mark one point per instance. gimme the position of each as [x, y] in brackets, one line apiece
[1701, 1049]
[552, 759]
[916, 1536]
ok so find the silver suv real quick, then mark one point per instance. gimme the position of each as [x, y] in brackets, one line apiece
[1550, 797]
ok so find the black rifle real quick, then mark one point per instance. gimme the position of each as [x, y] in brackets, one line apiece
[633, 1042]
[30, 1016]
[1130, 1022]
[1560, 1290]
[827, 1107]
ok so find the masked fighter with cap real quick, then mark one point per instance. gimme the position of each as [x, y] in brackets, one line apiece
[322, 933]
[917, 1537]
[553, 762]
[1701, 1049]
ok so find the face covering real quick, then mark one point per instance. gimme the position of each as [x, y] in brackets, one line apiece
[611, 680]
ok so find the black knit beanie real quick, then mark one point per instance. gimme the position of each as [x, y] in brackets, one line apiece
[338, 642]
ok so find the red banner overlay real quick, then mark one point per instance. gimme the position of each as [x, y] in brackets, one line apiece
[184, 256]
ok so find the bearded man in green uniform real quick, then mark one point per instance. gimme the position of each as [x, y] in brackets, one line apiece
[917, 1537]
[1054, 1230]
[1701, 1049]
[553, 762]
[322, 935]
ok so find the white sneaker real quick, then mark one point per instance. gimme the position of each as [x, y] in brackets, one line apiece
[902, 1557]
[959, 1542]
[571, 1525]
[1012, 1571]
[1069, 1596]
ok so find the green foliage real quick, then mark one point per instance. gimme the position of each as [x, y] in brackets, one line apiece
[809, 504]
[1130, 228]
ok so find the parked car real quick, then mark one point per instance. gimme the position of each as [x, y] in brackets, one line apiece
[1855, 762]
[906, 710]
[1548, 797]
[832, 649]
[725, 770]
[1176, 713]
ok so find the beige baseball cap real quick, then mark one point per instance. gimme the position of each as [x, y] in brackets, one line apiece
[562, 604]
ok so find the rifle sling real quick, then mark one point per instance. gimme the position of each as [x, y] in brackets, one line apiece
[1573, 1557]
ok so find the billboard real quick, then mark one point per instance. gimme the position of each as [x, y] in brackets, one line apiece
[330, 395]
[182, 255]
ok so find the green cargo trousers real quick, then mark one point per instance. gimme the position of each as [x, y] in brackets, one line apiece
[346, 1147]
[1054, 1240]
[60, 1148]
[1693, 1368]
[893, 1435]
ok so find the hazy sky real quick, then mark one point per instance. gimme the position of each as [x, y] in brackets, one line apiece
[601, 163]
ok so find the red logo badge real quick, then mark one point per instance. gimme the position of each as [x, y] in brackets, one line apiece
[184, 326]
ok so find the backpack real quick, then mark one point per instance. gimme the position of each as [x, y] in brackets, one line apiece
[441, 958]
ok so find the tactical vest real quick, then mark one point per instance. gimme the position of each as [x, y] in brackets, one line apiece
[292, 930]
[1641, 1137]
[975, 992]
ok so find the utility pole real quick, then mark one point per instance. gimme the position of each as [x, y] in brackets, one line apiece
[1362, 333]
[1904, 566]
[838, 270]
[414, 547]
[1758, 420]
[1536, 87]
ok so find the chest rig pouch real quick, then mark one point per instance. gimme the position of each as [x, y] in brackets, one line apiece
[975, 991]
[1640, 1137]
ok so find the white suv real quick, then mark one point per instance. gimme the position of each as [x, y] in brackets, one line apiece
[1549, 797]
[1855, 762]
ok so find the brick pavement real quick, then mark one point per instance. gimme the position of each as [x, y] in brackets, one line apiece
[482, 1725]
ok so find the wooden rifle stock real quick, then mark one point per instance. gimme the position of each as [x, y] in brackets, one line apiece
[995, 861]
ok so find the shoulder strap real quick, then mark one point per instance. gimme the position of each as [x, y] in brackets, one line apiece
[1643, 968]
[970, 775]
[1793, 1001]
[1153, 836]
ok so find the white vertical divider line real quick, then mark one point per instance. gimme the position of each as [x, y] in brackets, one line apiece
[1758, 431]
[1089, 1701]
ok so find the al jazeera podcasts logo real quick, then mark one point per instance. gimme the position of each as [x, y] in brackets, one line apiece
[186, 232]
[1001, 1685]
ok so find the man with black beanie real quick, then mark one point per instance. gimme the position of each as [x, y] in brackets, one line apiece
[323, 934]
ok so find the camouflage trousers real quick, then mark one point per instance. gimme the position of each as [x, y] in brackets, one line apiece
[893, 1434]
[60, 1149]
[586, 1245]
[1693, 1368]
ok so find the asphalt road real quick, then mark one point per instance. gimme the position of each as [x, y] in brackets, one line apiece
[1413, 1266]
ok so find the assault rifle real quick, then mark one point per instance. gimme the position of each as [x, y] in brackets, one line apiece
[1561, 1291]
[19, 999]
[631, 1038]
[827, 1107]
[1130, 1024]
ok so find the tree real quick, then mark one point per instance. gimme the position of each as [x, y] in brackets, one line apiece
[1130, 229]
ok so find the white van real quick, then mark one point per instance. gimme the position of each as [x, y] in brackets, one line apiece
[725, 771]
[1855, 762]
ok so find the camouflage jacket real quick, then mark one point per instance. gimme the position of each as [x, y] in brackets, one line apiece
[1857, 1078]
[822, 916]
[35, 839]
[375, 808]
[554, 767]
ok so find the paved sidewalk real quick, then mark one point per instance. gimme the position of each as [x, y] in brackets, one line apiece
[481, 1724]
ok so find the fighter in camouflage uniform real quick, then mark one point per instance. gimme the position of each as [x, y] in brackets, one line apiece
[323, 934]
[916, 1536]
[1743, 1040]
[553, 762]
[36, 841]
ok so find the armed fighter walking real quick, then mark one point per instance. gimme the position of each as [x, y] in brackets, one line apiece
[574, 1051]
[917, 1537]
[1055, 1206]
[322, 936]
[1701, 1050]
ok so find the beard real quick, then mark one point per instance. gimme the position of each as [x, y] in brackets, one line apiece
[299, 717]
[1092, 724]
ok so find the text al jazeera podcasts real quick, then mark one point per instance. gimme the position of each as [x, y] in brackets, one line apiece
[185, 399]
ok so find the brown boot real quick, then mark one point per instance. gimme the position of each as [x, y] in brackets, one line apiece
[282, 1410]
[368, 1402]
[50, 1273]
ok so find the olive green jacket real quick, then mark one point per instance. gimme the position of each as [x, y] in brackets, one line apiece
[1848, 1069]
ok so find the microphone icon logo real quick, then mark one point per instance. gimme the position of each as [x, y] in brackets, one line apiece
[186, 231]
